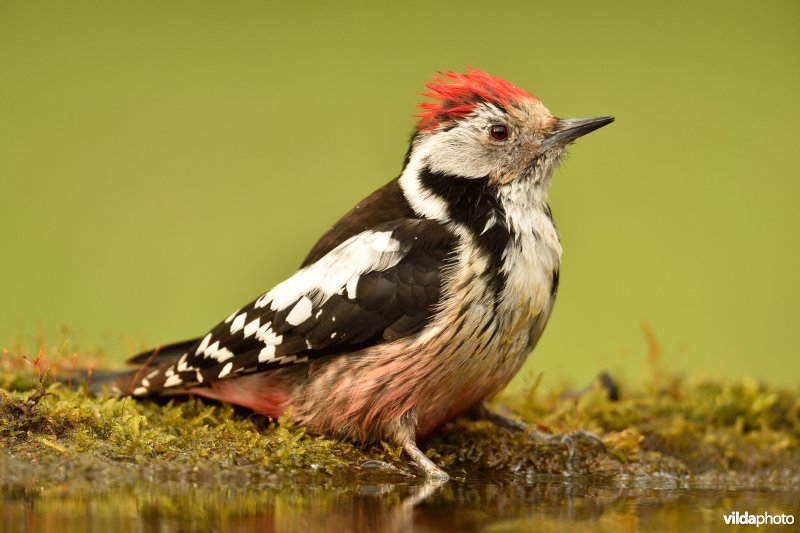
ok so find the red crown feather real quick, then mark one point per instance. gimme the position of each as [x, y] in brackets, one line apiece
[457, 95]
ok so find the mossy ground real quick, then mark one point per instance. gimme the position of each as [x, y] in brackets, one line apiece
[667, 428]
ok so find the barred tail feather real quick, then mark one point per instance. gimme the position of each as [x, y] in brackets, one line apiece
[163, 354]
[99, 382]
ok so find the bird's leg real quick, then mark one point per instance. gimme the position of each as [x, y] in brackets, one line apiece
[430, 469]
[403, 432]
[481, 412]
[568, 439]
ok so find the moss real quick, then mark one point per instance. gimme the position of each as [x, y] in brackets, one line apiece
[665, 428]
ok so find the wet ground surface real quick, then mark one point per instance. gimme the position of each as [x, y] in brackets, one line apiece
[532, 503]
[675, 457]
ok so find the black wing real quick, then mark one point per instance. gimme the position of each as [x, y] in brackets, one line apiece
[376, 286]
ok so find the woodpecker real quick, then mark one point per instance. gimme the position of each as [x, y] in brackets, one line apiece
[420, 303]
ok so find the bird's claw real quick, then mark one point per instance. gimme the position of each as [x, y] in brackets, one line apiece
[382, 466]
[569, 440]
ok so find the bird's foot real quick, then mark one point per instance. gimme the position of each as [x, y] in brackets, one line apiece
[570, 441]
[429, 468]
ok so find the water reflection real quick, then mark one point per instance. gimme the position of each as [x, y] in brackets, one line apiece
[511, 504]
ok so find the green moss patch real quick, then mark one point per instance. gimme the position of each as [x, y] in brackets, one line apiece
[740, 432]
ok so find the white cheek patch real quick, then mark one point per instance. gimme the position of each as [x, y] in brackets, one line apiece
[312, 286]
[466, 149]
[462, 154]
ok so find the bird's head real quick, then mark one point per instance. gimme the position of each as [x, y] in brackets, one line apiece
[483, 127]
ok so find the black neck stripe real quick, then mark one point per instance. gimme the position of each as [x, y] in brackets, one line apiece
[472, 203]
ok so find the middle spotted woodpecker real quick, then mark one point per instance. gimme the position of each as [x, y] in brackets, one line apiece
[420, 303]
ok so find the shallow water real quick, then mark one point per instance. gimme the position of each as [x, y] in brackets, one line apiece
[510, 504]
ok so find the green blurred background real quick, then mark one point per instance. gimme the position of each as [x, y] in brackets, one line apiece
[161, 163]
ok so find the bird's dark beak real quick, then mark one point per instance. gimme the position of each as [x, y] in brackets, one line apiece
[569, 129]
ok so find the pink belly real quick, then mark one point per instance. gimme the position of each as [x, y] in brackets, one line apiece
[358, 396]
[266, 393]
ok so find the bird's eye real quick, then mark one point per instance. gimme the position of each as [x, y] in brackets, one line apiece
[499, 132]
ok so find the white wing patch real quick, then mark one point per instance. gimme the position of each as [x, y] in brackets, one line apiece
[225, 370]
[267, 354]
[252, 327]
[182, 367]
[249, 338]
[223, 354]
[204, 344]
[210, 351]
[173, 380]
[351, 287]
[238, 323]
[266, 335]
[228, 320]
[366, 252]
[300, 312]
